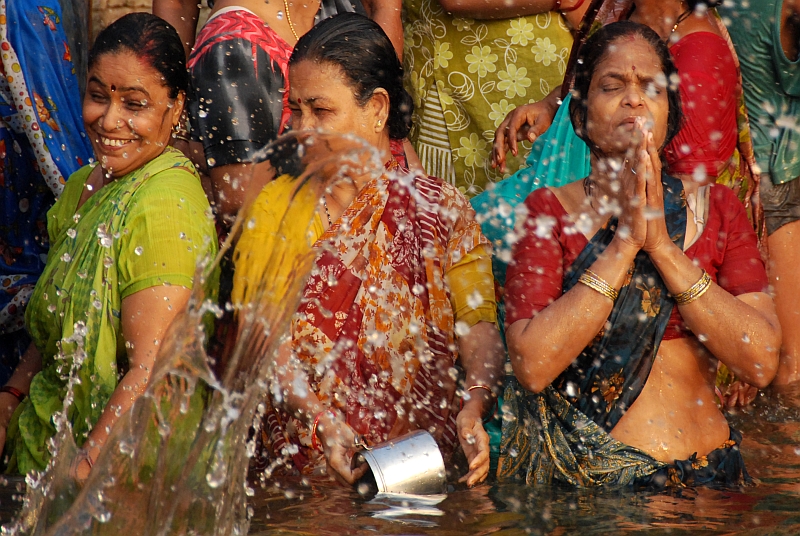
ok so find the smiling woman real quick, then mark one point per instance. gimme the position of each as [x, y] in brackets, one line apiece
[128, 113]
[126, 235]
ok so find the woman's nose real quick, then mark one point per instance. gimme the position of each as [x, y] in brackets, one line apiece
[307, 122]
[634, 96]
[112, 118]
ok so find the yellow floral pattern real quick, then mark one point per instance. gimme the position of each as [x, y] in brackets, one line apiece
[479, 70]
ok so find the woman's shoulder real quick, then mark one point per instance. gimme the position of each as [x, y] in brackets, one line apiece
[76, 182]
[552, 201]
[170, 176]
[439, 191]
[726, 204]
[67, 203]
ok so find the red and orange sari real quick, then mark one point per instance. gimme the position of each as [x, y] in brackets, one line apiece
[375, 331]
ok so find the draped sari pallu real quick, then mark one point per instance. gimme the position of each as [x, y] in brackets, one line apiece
[375, 329]
[563, 433]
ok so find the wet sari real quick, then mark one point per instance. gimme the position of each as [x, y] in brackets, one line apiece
[375, 331]
[144, 229]
[563, 433]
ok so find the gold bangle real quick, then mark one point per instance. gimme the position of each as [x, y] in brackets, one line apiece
[597, 283]
[482, 386]
[695, 291]
[491, 394]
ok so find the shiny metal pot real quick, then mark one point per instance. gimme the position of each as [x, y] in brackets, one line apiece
[409, 464]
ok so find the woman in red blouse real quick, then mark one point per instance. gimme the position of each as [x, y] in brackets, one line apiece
[621, 298]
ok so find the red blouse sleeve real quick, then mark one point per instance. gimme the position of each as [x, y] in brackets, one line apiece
[742, 269]
[535, 274]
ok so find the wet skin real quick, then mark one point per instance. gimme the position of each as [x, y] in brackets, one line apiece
[675, 415]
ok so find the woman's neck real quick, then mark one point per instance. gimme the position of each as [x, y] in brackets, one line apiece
[660, 16]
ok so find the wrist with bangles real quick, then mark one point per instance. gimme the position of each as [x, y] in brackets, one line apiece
[315, 443]
[598, 284]
[695, 291]
[13, 391]
[491, 395]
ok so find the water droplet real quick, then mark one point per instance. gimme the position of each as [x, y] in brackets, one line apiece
[475, 300]
[461, 328]
[66, 257]
[72, 233]
[139, 250]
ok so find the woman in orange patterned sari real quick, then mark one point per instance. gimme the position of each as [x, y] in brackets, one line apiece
[399, 308]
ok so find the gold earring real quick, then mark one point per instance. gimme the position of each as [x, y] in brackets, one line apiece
[380, 122]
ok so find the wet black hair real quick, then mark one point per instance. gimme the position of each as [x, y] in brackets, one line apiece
[368, 60]
[151, 39]
[708, 3]
[593, 52]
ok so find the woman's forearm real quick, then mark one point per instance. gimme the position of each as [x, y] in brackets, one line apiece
[387, 14]
[741, 332]
[499, 9]
[130, 387]
[29, 365]
[481, 355]
[182, 14]
[542, 347]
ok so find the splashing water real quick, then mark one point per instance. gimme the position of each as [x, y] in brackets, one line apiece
[177, 462]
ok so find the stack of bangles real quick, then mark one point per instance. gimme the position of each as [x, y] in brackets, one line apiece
[315, 443]
[573, 7]
[491, 394]
[13, 391]
[595, 282]
[695, 291]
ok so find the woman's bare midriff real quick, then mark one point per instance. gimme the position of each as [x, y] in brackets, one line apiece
[676, 414]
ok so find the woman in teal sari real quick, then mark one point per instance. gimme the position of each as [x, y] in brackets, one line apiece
[125, 238]
[661, 291]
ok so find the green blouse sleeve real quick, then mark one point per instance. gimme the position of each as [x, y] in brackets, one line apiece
[168, 228]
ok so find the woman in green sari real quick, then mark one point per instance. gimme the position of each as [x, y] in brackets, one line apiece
[126, 235]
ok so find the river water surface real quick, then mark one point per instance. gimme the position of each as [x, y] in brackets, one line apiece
[771, 448]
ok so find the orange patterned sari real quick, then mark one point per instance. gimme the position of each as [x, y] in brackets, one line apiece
[375, 329]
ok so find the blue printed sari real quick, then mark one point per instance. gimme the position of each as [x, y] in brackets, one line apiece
[42, 141]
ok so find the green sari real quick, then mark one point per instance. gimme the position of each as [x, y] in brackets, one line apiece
[144, 229]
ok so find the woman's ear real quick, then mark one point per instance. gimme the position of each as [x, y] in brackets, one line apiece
[177, 108]
[380, 104]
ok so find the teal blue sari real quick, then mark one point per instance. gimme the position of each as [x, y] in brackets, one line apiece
[558, 157]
